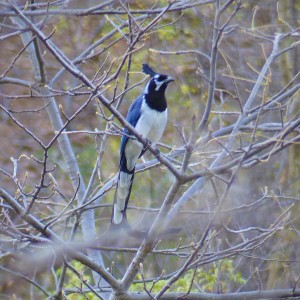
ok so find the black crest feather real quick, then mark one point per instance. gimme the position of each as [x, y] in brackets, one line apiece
[148, 70]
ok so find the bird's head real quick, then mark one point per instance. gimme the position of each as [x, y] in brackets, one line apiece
[158, 82]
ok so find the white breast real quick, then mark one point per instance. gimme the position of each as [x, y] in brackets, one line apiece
[152, 123]
[151, 126]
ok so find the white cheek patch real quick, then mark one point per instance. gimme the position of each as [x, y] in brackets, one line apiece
[158, 84]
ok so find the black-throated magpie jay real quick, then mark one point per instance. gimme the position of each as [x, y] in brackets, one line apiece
[148, 115]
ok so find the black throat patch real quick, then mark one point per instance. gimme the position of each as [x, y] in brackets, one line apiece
[156, 100]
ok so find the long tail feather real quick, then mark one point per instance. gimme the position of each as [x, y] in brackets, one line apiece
[121, 197]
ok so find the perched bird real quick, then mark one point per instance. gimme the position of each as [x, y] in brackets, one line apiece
[148, 115]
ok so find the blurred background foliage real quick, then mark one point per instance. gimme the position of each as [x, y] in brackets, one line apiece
[241, 55]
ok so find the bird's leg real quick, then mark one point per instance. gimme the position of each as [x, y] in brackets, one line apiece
[147, 144]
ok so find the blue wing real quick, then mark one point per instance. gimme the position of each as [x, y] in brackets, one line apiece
[133, 116]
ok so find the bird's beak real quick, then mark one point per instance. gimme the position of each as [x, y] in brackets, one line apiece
[169, 79]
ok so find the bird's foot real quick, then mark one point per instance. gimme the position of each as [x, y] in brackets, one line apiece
[147, 145]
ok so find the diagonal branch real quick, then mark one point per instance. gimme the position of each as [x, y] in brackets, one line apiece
[88, 224]
[52, 236]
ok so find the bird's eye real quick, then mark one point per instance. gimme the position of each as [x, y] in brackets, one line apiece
[160, 78]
